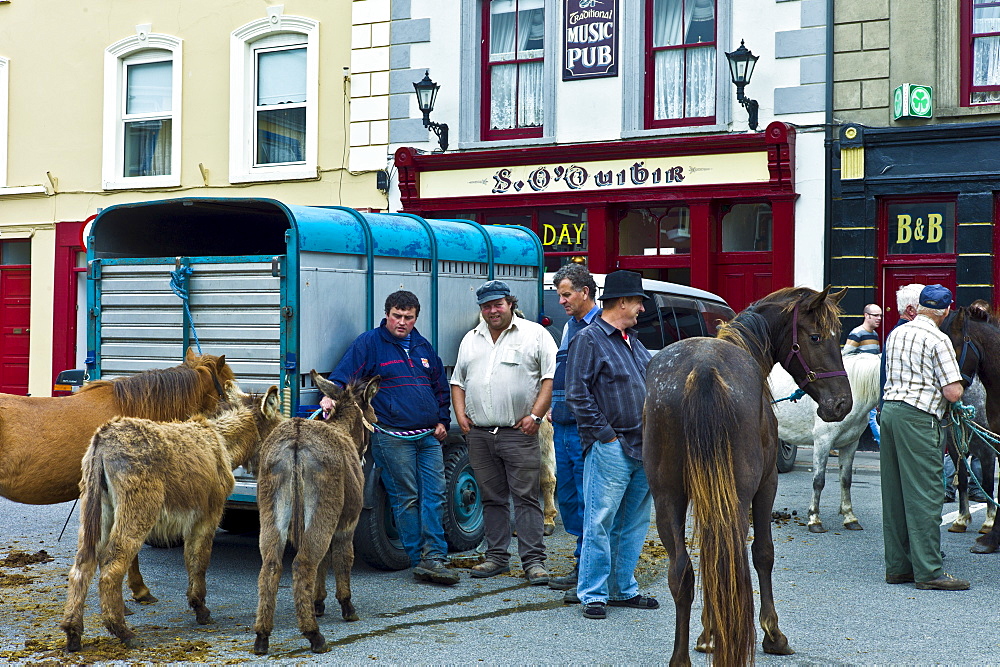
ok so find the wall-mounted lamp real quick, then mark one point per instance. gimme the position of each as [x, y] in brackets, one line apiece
[427, 91]
[741, 64]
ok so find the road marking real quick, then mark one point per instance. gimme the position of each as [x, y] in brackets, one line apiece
[951, 516]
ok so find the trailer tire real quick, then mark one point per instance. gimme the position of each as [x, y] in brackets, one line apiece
[376, 540]
[786, 456]
[463, 504]
[240, 521]
[158, 543]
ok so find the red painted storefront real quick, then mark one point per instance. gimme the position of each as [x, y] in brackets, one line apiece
[735, 237]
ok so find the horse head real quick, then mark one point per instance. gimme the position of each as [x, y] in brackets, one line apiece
[353, 403]
[963, 328]
[808, 347]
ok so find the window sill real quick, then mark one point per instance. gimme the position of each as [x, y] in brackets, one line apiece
[300, 173]
[680, 129]
[507, 143]
[141, 182]
[960, 112]
[24, 191]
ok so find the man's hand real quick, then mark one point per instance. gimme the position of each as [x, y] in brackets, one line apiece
[326, 404]
[440, 432]
[528, 426]
[463, 422]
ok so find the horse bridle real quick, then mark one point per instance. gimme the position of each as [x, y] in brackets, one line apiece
[968, 345]
[796, 351]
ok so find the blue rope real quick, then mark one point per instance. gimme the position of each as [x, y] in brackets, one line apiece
[178, 279]
[402, 435]
[962, 417]
[796, 395]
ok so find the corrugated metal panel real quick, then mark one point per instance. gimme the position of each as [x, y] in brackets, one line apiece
[235, 307]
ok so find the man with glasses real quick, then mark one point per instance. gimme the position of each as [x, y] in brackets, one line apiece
[864, 338]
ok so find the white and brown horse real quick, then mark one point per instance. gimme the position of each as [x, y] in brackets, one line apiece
[142, 477]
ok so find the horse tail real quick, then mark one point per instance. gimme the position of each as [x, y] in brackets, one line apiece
[710, 428]
[92, 486]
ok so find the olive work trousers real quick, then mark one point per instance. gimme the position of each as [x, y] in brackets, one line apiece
[912, 490]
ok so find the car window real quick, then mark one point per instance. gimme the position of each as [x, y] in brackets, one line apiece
[555, 312]
[649, 328]
[713, 314]
[685, 314]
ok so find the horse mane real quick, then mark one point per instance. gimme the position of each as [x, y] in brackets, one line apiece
[827, 315]
[165, 394]
[864, 371]
[749, 331]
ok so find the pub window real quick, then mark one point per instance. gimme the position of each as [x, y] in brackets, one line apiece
[921, 228]
[564, 236]
[513, 68]
[747, 228]
[655, 231]
[980, 52]
[680, 67]
[15, 253]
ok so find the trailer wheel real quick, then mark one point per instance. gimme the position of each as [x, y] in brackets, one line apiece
[376, 540]
[786, 456]
[240, 521]
[463, 506]
[157, 543]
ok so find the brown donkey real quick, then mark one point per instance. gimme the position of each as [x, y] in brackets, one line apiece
[309, 491]
[167, 479]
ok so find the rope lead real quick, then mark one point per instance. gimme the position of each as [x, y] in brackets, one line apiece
[178, 278]
[962, 417]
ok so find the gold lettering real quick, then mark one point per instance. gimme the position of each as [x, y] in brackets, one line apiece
[935, 228]
[918, 230]
[579, 232]
[548, 239]
[564, 235]
[903, 233]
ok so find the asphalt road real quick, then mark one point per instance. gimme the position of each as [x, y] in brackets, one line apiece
[832, 602]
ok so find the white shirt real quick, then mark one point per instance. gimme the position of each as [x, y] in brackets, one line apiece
[502, 379]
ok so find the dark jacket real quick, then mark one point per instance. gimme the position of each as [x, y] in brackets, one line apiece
[414, 392]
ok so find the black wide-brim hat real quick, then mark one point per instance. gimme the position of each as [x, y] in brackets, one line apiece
[622, 283]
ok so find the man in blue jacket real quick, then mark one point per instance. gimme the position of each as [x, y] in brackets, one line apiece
[412, 406]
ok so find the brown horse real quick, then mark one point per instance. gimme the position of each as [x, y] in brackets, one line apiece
[310, 488]
[976, 337]
[166, 479]
[42, 439]
[710, 438]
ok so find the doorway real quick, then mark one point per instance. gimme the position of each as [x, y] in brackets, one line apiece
[15, 315]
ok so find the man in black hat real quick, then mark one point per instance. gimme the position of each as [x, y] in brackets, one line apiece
[606, 389]
[922, 378]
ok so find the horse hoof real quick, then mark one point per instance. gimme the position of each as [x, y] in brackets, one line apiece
[549, 529]
[317, 642]
[957, 528]
[986, 530]
[978, 548]
[319, 608]
[130, 642]
[72, 641]
[853, 525]
[146, 599]
[203, 617]
[351, 617]
[778, 647]
[817, 528]
[261, 644]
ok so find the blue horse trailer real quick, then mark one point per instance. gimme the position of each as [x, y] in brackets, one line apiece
[282, 289]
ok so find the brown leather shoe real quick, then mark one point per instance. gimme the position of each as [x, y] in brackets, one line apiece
[945, 582]
[536, 575]
[899, 578]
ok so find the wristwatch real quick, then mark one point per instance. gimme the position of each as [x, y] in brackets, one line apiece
[537, 420]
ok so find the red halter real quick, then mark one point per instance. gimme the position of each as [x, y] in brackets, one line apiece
[796, 352]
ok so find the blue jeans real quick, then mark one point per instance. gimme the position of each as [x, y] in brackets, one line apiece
[615, 522]
[569, 480]
[413, 475]
[873, 424]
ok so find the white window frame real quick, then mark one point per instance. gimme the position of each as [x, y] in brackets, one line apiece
[4, 97]
[132, 50]
[274, 31]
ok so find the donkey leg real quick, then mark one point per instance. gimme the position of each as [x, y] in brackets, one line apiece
[140, 592]
[342, 560]
[821, 455]
[547, 486]
[272, 547]
[846, 478]
[762, 549]
[313, 546]
[319, 594]
[197, 554]
[80, 576]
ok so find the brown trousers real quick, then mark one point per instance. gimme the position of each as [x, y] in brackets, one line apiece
[506, 465]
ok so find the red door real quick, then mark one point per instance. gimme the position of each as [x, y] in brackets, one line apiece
[894, 277]
[743, 278]
[15, 312]
[744, 259]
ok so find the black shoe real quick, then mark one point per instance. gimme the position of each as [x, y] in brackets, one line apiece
[570, 597]
[595, 610]
[636, 602]
[435, 571]
[949, 497]
[565, 583]
[945, 582]
[899, 578]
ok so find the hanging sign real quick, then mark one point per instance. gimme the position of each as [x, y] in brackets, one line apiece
[590, 39]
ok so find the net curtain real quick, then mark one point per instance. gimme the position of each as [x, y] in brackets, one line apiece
[517, 31]
[685, 77]
[986, 53]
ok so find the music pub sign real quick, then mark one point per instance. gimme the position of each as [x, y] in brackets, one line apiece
[590, 39]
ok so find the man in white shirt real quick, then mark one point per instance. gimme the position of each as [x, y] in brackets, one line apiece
[501, 388]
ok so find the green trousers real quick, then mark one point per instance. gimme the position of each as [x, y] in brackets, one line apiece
[912, 490]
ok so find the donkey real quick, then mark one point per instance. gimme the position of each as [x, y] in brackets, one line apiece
[310, 488]
[166, 479]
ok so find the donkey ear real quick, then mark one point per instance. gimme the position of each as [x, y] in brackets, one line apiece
[190, 357]
[372, 387]
[270, 405]
[233, 392]
[328, 388]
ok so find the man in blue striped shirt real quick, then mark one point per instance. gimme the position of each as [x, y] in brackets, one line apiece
[606, 389]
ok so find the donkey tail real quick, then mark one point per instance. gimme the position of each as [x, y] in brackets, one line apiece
[710, 428]
[92, 489]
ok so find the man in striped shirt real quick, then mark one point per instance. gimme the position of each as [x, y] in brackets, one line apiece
[606, 389]
[864, 338]
[922, 378]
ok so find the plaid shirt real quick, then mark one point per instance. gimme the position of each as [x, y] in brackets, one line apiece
[919, 361]
[606, 386]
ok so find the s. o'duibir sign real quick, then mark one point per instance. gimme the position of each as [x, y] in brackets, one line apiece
[590, 39]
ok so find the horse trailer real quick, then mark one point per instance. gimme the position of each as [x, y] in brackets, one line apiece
[280, 290]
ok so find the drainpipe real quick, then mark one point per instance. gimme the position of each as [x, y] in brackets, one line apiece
[828, 141]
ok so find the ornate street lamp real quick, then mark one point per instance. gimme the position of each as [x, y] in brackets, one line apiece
[741, 64]
[427, 91]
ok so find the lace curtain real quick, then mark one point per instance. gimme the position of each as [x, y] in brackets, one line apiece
[684, 79]
[147, 141]
[986, 53]
[517, 30]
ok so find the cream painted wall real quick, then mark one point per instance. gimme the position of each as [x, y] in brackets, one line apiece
[56, 51]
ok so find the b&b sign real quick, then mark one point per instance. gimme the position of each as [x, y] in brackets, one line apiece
[590, 39]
